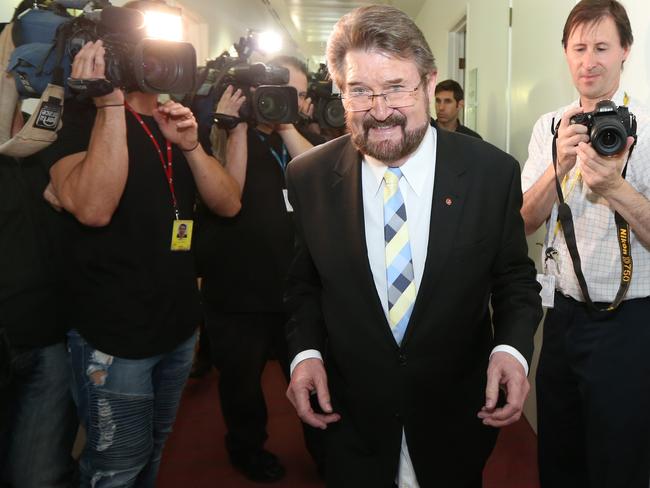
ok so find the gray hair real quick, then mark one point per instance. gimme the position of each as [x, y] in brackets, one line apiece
[380, 28]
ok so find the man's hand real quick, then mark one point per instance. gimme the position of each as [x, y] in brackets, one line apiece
[178, 125]
[306, 108]
[89, 64]
[504, 371]
[230, 103]
[50, 197]
[569, 136]
[309, 376]
[602, 174]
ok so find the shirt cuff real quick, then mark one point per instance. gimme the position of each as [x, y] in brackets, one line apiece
[301, 356]
[510, 350]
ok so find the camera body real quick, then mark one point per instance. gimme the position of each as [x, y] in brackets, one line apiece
[608, 127]
[328, 108]
[133, 61]
[267, 99]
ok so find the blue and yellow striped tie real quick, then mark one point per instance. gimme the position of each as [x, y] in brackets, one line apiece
[399, 263]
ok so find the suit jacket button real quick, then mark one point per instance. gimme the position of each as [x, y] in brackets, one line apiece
[402, 359]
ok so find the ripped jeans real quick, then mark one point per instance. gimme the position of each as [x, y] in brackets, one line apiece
[128, 407]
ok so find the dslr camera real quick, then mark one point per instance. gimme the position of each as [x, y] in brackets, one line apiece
[328, 108]
[267, 99]
[608, 127]
[133, 62]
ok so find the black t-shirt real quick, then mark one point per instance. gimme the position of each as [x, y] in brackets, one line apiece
[244, 260]
[29, 256]
[132, 296]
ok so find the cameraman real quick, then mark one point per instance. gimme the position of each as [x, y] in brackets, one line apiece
[127, 170]
[244, 261]
[592, 381]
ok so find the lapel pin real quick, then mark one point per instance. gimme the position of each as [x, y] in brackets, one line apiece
[448, 201]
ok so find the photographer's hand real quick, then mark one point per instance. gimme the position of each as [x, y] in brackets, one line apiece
[569, 136]
[89, 64]
[306, 108]
[602, 174]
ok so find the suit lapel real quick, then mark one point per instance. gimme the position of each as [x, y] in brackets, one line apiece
[449, 194]
[347, 211]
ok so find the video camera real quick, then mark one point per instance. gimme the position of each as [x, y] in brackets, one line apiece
[133, 62]
[267, 100]
[328, 108]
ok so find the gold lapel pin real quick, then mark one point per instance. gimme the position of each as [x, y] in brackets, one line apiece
[448, 201]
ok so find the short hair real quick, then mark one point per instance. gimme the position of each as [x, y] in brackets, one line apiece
[290, 61]
[588, 11]
[380, 28]
[452, 86]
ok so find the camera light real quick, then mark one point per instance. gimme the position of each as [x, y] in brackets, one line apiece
[161, 25]
[269, 42]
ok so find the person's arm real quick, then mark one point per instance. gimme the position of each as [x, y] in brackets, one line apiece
[539, 199]
[603, 176]
[516, 313]
[218, 190]
[296, 143]
[236, 160]
[306, 335]
[90, 184]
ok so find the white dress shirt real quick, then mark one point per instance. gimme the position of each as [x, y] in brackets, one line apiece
[416, 186]
[593, 217]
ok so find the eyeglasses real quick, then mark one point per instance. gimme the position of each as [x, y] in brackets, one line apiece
[362, 100]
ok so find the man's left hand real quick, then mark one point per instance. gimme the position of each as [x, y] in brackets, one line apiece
[602, 174]
[505, 372]
[178, 125]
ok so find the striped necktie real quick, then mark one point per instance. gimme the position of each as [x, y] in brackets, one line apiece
[399, 264]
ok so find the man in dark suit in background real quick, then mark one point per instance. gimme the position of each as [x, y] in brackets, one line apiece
[405, 234]
[450, 100]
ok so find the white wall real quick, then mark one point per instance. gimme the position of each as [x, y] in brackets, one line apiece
[636, 76]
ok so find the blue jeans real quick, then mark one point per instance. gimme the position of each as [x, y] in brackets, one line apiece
[38, 423]
[128, 407]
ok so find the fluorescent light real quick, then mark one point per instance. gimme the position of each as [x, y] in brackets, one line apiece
[161, 25]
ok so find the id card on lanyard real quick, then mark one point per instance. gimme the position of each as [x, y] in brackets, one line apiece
[282, 159]
[181, 235]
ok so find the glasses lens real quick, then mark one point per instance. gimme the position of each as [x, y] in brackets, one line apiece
[357, 103]
[400, 99]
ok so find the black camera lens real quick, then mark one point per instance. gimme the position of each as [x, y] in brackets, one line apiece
[164, 66]
[608, 138]
[333, 113]
[275, 104]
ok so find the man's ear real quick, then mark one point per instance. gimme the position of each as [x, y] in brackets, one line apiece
[461, 104]
[431, 85]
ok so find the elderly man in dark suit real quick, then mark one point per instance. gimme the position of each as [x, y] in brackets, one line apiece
[405, 235]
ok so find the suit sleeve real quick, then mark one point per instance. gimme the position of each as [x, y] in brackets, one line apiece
[516, 303]
[302, 299]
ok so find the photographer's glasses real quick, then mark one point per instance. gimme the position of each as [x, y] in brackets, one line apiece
[360, 100]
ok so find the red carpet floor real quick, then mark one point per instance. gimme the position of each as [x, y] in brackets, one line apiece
[195, 455]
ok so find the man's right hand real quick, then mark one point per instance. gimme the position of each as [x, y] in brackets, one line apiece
[309, 376]
[569, 136]
[89, 64]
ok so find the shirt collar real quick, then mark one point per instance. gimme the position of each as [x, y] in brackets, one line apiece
[414, 170]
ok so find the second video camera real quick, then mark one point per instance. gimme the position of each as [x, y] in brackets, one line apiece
[328, 108]
[267, 101]
[608, 127]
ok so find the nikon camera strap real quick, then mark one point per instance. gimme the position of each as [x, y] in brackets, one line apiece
[565, 218]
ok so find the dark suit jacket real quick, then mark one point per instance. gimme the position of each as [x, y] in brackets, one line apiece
[432, 385]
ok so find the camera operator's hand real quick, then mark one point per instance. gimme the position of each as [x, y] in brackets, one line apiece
[89, 64]
[178, 125]
[602, 174]
[306, 108]
[569, 136]
[230, 103]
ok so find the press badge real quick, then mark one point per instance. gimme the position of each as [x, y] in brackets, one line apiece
[285, 194]
[548, 290]
[182, 235]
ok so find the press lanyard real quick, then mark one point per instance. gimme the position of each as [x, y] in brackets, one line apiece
[282, 161]
[166, 165]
